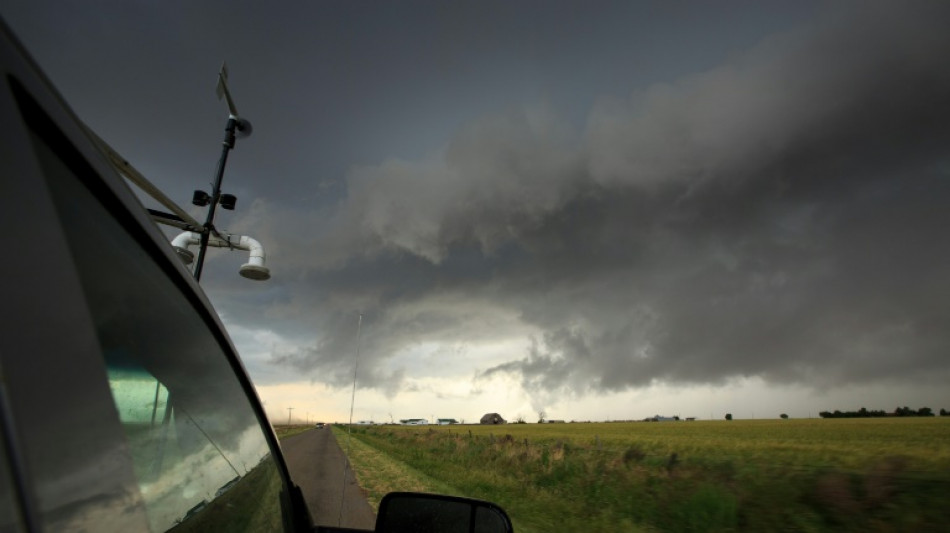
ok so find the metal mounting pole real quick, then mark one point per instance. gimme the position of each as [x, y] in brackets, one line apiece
[215, 195]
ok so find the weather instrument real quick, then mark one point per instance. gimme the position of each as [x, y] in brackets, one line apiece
[196, 233]
[236, 127]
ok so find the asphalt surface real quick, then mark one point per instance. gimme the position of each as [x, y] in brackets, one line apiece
[316, 463]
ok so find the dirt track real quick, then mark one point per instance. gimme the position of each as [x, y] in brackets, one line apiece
[316, 464]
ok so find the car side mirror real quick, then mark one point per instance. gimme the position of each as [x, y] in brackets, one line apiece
[435, 513]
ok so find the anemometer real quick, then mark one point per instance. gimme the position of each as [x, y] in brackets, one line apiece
[195, 233]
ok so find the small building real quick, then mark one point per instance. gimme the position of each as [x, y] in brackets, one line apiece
[414, 422]
[447, 421]
[492, 418]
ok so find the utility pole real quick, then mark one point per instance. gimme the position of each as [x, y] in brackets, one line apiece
[290, 411]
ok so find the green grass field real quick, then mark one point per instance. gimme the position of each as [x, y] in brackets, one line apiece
[284, 431]
[753, 475]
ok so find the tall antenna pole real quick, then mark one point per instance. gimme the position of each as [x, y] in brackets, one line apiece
[356, 366]
[349, 427]
[235, 126]
[215, 195]
[290, 410]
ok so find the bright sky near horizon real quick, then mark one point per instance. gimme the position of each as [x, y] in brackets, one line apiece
[601, 210]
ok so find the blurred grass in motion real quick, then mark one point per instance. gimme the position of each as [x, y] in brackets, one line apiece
[744, 475]
[378, 473]
[285, 431]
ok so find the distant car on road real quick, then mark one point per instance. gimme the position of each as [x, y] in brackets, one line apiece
[320, 425]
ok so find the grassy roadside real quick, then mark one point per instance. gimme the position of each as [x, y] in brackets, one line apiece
[289, 431]
[378, 473]
[807, 475]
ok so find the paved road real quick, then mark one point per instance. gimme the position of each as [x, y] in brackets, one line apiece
[316, 463]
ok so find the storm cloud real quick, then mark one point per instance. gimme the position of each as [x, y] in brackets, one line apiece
[782, 215]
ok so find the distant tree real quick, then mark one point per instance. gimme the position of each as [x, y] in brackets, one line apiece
[943, 412]
[871, 413]
[520, 420]
[541, 416]
[728, 416]
[783, 416]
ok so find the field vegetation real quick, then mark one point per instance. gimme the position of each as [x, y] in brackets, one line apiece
[760, 475]
[378, 473]
[283, 431]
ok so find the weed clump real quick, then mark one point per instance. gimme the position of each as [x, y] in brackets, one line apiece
[633, 454]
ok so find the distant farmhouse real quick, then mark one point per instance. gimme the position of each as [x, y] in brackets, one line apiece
[493, 418]
[414, 422]
[659, 418]
[447, 421]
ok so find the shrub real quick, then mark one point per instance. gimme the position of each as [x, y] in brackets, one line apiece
[633, 454]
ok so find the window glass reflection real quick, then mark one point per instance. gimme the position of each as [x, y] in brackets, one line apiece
[181, 466]
[198, 449]
[9, 514]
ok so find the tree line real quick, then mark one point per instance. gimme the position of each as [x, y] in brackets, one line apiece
[865, 413]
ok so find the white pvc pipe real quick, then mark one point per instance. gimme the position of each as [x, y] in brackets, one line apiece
[254, 247]
[253, 269]
[186, 239]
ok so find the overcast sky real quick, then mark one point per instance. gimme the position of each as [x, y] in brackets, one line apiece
[600, 210]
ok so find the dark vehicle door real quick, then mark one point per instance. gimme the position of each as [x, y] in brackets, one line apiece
[123, 404]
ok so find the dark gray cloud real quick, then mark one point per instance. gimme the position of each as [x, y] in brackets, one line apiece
[642, 193]
[781, 215]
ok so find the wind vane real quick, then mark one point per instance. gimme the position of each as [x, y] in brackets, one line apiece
[236, 127]
[206, 234]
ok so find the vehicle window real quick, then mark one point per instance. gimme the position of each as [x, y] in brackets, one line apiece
[199, 452]
[9, 514]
